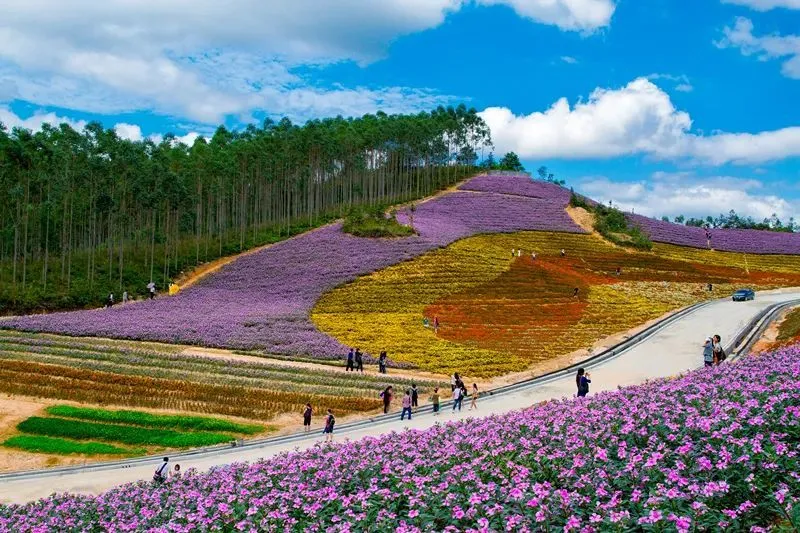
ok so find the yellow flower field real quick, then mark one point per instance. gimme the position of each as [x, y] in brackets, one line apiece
[500, 314]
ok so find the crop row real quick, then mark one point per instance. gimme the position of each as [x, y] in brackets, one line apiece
[149, 420]
[87, 386]
[59, 446]
[82, 430]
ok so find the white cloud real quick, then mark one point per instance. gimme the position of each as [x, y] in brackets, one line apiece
[638, 119]
[569, 60]
[765, 5]
[765, 47]
[682, 83]
[205, 60]
[131, 132]
[687, 194]
[35, 121]
[582, 15]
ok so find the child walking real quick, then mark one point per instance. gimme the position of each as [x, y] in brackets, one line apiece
[474, 403]
[435, 401]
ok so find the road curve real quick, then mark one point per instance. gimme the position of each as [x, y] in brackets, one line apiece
[672, 349]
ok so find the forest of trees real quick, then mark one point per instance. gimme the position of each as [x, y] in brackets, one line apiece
[85, 213]
[735, 221]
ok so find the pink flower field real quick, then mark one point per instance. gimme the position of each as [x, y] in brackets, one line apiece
[715, 449]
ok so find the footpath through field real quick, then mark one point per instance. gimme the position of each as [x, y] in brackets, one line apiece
[674, 349]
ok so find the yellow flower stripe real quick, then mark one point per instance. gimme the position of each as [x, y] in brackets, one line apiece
[495, 319]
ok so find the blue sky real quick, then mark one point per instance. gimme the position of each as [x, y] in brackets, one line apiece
[663, 106]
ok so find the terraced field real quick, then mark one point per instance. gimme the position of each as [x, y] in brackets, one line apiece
[500, 314]
[103, 372]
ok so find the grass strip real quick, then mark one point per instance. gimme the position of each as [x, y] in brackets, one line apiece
[40, 444]
[141, 418]
[81, 430]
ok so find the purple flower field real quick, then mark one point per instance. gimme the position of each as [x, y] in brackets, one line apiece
[728, 240]
[262, 301]
[715, 449]
[521, 185]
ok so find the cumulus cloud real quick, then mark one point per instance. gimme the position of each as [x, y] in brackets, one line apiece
[205, 60]
[765, 5]
[35, 122]
[637, 119]
[764, 47]
[685, 193]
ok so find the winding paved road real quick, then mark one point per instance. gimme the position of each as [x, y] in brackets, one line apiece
[674, 349]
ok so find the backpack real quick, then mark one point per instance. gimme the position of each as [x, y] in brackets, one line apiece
[158, 475]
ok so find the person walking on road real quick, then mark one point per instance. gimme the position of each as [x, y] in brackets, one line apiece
[382, 362]
[307, 412]
[349, 366]
[719, 351]
[125, 297]
[406, 406]
[330, 421]
[473, 404]
[359, 360]
[435, 401]
[708, 352]
[151, 289]
[458, 396]
[582, 381]
[162, 471]
[414, 395]
[386, 395]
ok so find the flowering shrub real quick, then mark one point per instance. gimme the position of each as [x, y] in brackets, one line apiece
[711, 450]
[262, 300]
[732, 240]
[500, 314]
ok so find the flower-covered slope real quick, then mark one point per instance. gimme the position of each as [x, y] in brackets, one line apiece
[729, 240]
[500, 314]
[715, 449]
[262, 300]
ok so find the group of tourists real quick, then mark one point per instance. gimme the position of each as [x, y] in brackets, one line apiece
[517, 252]
[162, 472]
[355, 361]
[713, 352]
[330, 421]
[151, 293]
[427, 323]
[459, 390]
[110, 300]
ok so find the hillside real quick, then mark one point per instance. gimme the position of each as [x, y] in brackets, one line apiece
[648, 457]
[487, 301]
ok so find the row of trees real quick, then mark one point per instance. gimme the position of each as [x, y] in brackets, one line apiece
[84, 213]
[735, 221]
